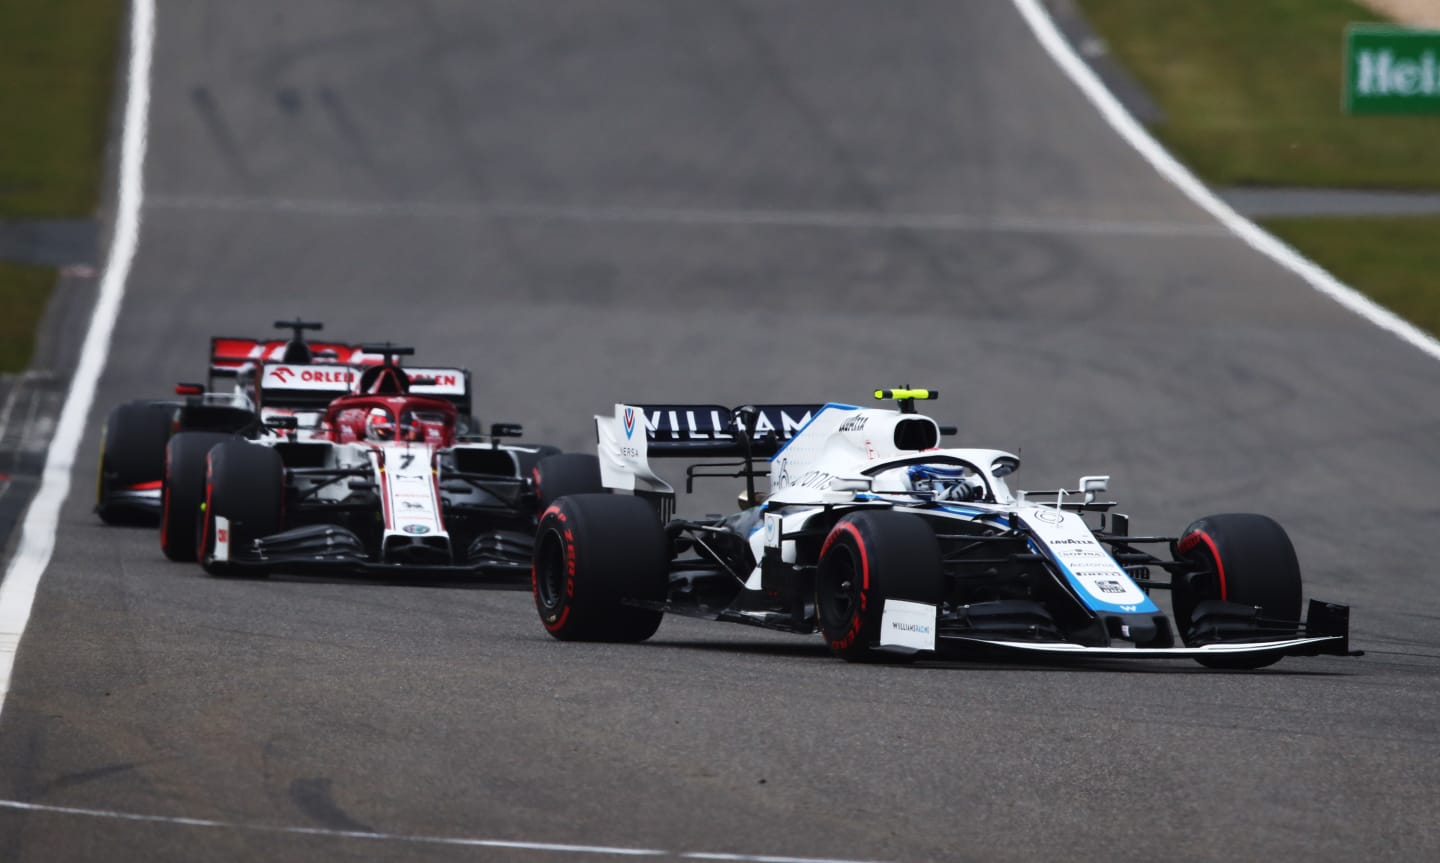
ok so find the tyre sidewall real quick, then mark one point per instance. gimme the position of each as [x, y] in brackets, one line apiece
[592, 553]
[883, 555]
[245, 483]
[183, 492]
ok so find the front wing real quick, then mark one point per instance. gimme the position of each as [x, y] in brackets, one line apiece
[328, 549]
[1326, 631]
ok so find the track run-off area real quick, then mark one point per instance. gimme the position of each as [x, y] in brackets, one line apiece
[592, 201]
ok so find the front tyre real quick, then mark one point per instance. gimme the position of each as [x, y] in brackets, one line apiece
[182, 491]
[562, 474]
[871, 556]
[244, 484]
[593, 552]
[1243, 558]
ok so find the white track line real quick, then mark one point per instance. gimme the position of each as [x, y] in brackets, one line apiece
[550, 847]
[42, 521]
[1160, 159]
[831, 219]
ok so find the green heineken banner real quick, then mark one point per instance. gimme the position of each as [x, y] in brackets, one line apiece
[1391, 70]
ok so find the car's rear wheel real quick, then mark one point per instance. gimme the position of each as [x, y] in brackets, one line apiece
[868, 557]
[594, 554]
[1243, 558]
[132, 452]
[245, 486]
[183, 491]
[556, 476]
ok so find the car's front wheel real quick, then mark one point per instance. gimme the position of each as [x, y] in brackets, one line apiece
[868, 557]
[244, 497]
[1242, 558]
[561, 474]
[182, 491]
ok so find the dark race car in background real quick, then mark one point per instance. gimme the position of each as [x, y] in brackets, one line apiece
[891, 546]
[132, 442]
[369, 469]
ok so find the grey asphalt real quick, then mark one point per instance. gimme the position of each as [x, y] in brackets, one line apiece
[605, 200]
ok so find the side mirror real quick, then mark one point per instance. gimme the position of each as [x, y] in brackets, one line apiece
[186, 389]
[1092, 484]
[506, 430]
[841, 483]
[283, 423]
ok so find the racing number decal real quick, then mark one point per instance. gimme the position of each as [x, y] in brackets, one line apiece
[406, 459]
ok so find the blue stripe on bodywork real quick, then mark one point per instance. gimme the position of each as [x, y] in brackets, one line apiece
[813, 417]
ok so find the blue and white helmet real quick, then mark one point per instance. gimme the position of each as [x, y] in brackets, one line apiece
[945, 481]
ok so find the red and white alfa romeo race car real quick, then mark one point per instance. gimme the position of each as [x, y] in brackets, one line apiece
[362, 468]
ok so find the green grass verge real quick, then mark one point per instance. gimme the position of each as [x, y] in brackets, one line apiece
[1251, 91]
[24, 291]
[57, 63]
[1394, 260]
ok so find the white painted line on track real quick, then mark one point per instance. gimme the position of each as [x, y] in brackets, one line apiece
[550, 847]
[1179, 176]
[42, 522]
[837, 219]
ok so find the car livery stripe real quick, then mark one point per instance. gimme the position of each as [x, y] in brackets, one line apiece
[813, 417]
[386, 515]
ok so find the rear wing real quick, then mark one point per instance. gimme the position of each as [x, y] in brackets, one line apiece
[450, 384]
[626, 441]
[291, 385]
[713, 431]
[231, 356]
[313, 386]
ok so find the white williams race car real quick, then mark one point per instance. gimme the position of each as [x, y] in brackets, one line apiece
[889, 545]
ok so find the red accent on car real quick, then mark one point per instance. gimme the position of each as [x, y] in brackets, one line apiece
[1215, 556]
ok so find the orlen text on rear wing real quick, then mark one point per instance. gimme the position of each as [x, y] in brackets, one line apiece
[296, 386]
[232, 356]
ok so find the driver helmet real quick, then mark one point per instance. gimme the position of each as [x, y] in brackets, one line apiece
[945, 481]
[379, 425]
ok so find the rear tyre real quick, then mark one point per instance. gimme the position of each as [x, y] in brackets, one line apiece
[593, 552]
[869, 557]
[244, 483]
[132, 451]
[564, 474]
[183, 491]
[1246, 559]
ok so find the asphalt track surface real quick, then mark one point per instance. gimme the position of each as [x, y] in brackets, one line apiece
[605, 200]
